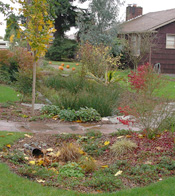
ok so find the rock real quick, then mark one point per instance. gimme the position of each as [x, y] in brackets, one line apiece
[37, 106]
[105, 120]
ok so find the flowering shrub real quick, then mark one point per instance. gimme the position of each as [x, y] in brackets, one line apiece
[144, 79]
[150, 113]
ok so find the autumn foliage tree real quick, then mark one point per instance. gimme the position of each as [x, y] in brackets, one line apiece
[37, 31]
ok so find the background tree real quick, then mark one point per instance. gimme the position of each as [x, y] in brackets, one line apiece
[99, 25]
[4, 8]
[138, 47]
[12, 29]
[65, 15]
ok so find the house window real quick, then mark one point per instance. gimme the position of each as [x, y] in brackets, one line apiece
[170, 41]
[135, 45]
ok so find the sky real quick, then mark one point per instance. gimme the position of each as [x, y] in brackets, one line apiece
[147, 5]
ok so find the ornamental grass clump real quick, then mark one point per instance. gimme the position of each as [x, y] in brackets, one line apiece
[123, 146]
[87, 163]
[70, 152]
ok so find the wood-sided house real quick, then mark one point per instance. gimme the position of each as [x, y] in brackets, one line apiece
[161, 23]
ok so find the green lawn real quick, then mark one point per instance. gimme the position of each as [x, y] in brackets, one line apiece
[167, 90]
[8, 94]
[13, 185]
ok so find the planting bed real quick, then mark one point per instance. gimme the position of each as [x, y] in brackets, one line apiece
[93, 162]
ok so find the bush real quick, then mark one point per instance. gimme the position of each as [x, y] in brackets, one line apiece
[62, 48]
[13, 61]
[24, 82]
[71, 170]
[96, 59]
[150, 112]
[145, 80]
[50, 110]
[68, 115]
[88, 115]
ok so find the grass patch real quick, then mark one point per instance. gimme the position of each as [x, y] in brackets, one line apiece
[8, 94]
[9, 137]
[167, 91]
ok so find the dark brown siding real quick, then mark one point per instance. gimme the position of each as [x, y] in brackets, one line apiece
[166, 57]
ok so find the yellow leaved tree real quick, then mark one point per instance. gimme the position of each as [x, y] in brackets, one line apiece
[37, 30]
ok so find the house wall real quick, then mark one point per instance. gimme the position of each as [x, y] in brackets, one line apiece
[166, 57]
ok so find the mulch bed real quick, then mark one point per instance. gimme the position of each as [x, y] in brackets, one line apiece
[19, 113]
[152, 160]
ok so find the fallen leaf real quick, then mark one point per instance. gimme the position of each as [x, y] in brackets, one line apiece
[49, 150]
[40, 180]
[99, 191]
[53, 169]
[140, 136]
[29, 136]
[119, 137]
[10, 134]
[107, 143]
[148, 162]
[8, 146]
[159, 148]
[51, 154]
[128, 136]
[118, 173]
[2, 135]
[79, 121]
[32, 162]
[104, 166]
[55, 117]
[81, 151]
[58, 154]
[46, 161]
[40, 162]
[26, 158]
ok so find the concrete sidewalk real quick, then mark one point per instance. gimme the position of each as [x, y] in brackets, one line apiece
[57, 127]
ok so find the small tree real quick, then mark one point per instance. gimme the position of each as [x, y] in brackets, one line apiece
[37, 31]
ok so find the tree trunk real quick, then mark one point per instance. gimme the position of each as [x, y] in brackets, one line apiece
[58, 26]
[34, 86]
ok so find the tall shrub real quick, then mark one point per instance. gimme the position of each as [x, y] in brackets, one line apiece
[11, 62]
[150, 112]
[97, 59]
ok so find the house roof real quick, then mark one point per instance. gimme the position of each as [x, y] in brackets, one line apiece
[149, 22]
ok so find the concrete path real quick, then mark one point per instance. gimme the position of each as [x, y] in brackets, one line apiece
[56, 128]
